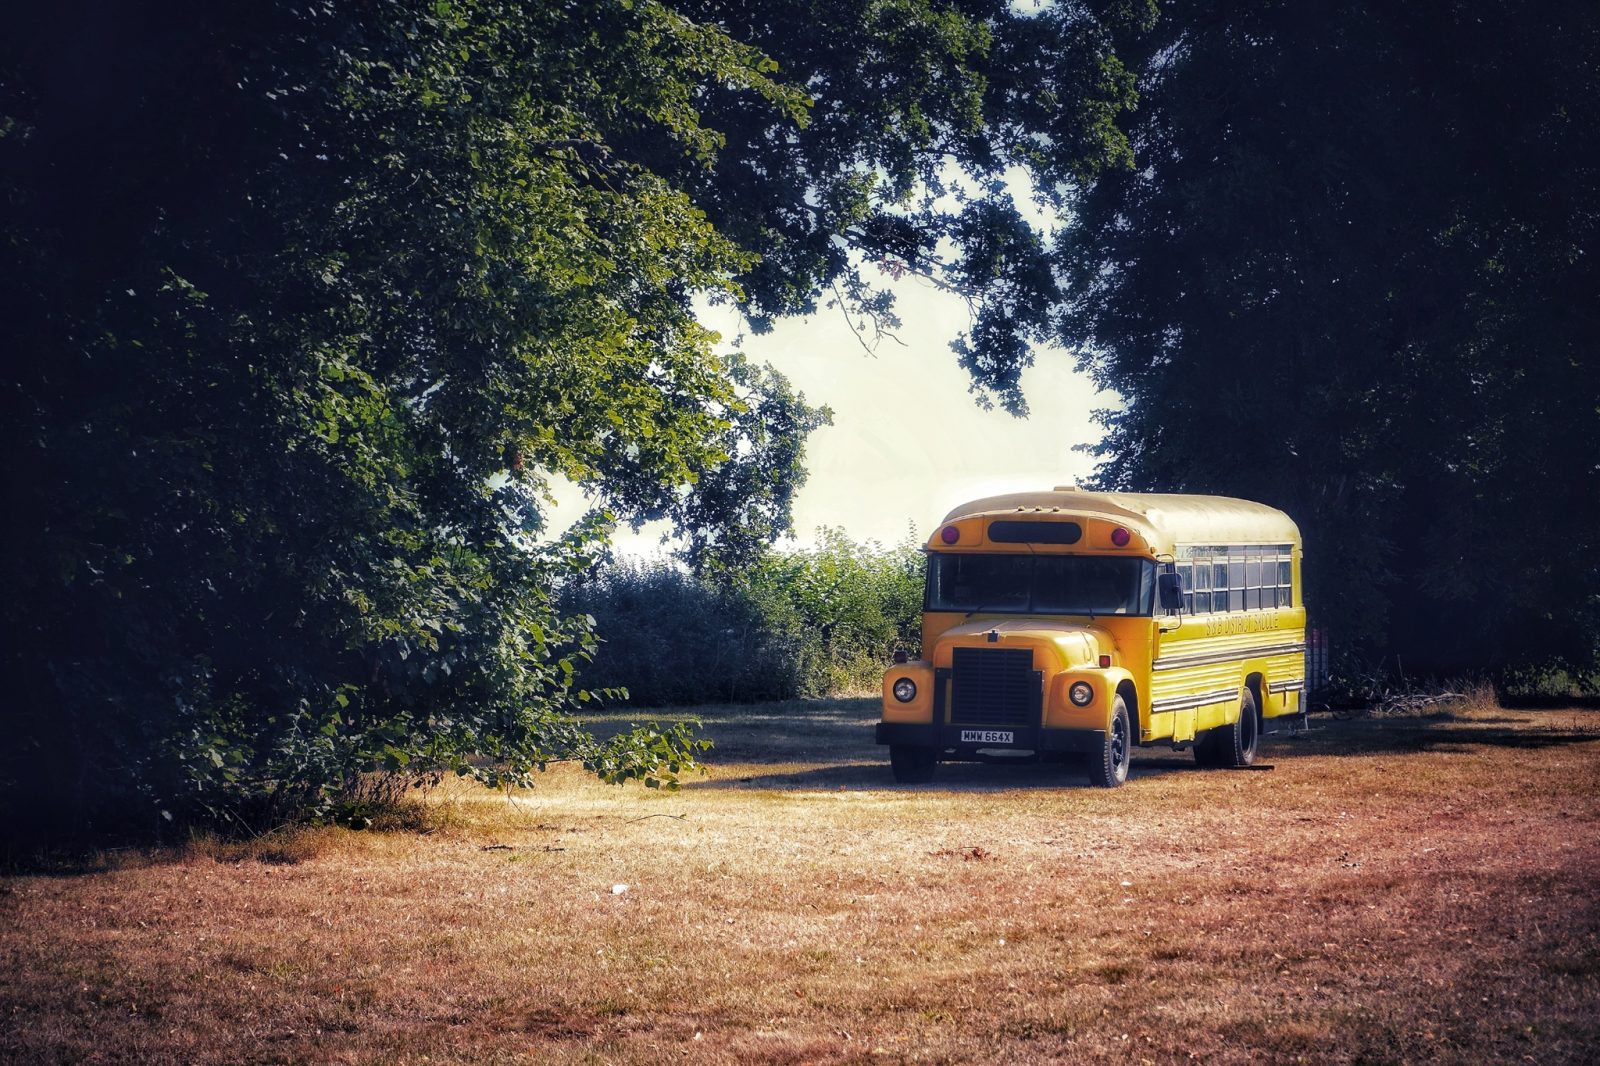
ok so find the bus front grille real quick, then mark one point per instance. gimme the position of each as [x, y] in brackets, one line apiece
[993, 686]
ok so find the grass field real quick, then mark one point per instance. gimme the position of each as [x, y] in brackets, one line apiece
[1416, 889]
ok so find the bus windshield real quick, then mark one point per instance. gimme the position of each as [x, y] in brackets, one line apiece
[1040, 584]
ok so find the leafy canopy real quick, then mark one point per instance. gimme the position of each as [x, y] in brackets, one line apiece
[1353, 275]
[306, 302]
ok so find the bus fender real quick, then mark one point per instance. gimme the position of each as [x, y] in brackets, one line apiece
[1062, 713]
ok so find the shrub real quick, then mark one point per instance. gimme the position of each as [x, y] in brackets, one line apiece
[814, 622]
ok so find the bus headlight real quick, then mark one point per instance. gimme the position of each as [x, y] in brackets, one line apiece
[1081, 693]
[905, 690]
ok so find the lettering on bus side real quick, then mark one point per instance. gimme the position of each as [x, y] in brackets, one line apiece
[1253, 622]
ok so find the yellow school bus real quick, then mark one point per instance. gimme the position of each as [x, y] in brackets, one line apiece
[1077, 624]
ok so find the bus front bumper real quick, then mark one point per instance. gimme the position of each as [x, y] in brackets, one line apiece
[964, 740]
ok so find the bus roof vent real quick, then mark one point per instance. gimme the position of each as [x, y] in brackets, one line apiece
[1065, 488]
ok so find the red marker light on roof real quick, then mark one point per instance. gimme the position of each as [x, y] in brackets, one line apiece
[950, 534]
[1120, 537]
[1105, 662]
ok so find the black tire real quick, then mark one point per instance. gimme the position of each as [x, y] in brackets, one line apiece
[913, 764]
[1108, 767]
[1237, 743]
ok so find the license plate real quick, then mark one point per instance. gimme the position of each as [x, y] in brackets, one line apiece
[988, 736]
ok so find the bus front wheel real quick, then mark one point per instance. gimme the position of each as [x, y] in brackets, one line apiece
[912, 763]
[1108, 767]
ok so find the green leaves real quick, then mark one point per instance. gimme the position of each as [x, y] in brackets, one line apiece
[655, 755]
[311, 302]
[1356, 301]
[805, 623]
[413, 277]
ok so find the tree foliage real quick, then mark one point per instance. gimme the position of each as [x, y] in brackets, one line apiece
[920, 109]
[812, 622]
[1352, 274]
[304, 303]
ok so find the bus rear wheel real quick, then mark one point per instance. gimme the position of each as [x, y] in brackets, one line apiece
[1108, 767]
[1235, 745]
[913, 764]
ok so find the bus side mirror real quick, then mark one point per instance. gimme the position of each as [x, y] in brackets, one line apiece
[1169, 589]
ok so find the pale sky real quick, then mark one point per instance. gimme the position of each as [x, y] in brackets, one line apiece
[908, 441]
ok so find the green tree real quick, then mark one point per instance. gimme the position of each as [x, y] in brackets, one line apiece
[859, 602]
[672, 637]
[921, 107]
[1352, 274]
[813, 622]
[303, 305]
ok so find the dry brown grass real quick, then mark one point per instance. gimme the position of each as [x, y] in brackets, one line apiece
[1415, 889]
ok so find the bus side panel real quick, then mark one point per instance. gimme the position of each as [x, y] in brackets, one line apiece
[1203, 665]
[1212, 692]
[1283, 683]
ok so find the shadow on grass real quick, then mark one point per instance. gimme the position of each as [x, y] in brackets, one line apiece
[1547, 703]
[950, 777]
[63, 863]
[286, 846]
[833, 743]
[830, 732]
[1438, 732]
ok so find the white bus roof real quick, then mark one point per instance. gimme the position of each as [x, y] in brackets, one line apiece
[1166, 519]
